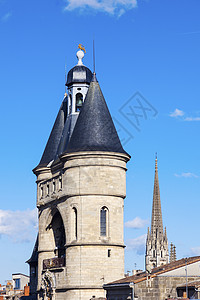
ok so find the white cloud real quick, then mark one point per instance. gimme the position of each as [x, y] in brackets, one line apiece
[18, 225]
[112, 7]
[136, 223]
[190, 119]
[6, 17]
[177, 113]
[186, 175]
[137, 244]
[195, 251]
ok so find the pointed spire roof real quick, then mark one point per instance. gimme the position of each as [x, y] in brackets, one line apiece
[34, 257]
[55, 136]
[94, 129]
[156, 220]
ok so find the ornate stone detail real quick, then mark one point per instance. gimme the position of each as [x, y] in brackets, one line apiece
[48, 285]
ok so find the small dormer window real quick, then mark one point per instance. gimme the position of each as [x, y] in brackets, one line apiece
[60, 183]
[79, 101]
[54, 186]
[41, 192]
[70, 104]
[47, 189]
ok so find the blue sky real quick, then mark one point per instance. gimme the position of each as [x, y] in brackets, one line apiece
[146, 50]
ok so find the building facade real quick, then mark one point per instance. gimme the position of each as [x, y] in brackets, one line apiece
[177, 279]
[15, 289]
[156, 244]
[81, 186]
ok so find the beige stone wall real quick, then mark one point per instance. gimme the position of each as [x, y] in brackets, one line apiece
[83, 294]
[85, 182]
[160, 288]
[157, 288]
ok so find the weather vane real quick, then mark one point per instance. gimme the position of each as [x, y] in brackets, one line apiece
[81, 47]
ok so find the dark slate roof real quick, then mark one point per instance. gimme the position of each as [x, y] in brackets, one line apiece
[79, 74]
[60, 135]
[34, 257]
[67, 132]
[55, 136]
[94, 129]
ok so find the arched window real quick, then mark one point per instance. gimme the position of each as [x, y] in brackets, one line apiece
[103, 221]
[79, 101]
[75, 226]
[59, 234]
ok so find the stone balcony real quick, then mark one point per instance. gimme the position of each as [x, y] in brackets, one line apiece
[52, 263]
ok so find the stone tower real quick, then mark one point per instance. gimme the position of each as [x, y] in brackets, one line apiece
[81, 186]
[156, 243]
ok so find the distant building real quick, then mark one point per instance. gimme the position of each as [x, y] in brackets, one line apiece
[156, 244]
[15, 288]
[33, 264]
[176, 279]
[19, 281]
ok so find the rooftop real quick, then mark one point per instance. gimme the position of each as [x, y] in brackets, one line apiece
[157, 271]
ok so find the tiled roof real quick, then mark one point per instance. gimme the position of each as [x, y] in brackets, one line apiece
[159, 270]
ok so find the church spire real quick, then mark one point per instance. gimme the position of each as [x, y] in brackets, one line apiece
[156, 220]
[157, 243]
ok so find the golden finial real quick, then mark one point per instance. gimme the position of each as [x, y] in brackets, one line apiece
[81, 47]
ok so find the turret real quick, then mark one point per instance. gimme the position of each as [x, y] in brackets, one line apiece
[81, 182]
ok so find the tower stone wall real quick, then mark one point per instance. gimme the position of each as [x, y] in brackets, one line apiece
[90, 181]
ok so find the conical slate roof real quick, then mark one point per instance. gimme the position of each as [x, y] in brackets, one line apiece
[34, 257]
[60, 135]
[55, 136]
[94, 129]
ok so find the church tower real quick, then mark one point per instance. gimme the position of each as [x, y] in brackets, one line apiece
[81, 186]
[156, 243]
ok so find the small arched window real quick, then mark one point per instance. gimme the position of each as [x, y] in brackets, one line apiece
[79, 101]
[103, 221]
[75, 223]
